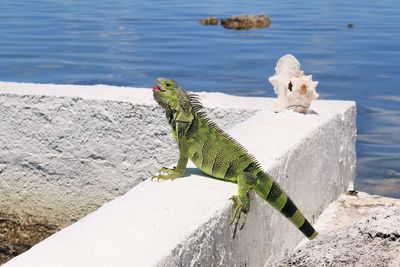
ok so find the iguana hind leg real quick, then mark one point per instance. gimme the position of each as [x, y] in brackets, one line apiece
[241, 201]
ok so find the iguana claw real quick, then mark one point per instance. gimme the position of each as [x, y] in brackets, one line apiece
[237, 210]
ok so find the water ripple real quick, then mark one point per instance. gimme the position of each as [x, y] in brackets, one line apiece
[125, 42]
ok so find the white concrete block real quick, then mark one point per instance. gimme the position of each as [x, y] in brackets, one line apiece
[65, 149]
[185, 222]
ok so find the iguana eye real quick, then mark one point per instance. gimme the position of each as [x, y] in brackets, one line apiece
[290, 86]
[168, 84]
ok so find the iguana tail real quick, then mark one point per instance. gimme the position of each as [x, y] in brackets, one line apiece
[270, 190]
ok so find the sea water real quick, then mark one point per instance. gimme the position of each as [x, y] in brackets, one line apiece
[130, 42]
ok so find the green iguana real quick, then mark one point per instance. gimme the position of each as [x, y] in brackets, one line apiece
[218, 155]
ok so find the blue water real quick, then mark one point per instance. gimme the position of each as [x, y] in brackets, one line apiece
[130, 42]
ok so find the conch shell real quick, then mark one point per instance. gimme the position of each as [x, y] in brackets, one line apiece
[293, 88]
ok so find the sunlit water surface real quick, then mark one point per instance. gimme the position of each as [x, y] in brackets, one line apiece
[130, 42]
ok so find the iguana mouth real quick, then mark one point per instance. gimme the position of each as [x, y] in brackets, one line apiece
[156, 88]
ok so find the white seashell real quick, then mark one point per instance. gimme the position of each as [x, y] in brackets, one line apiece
[293, 88]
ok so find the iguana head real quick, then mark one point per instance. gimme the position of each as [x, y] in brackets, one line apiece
[170, 96]
[166, 92]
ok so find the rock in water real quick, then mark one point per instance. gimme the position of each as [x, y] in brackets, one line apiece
[209, 21]
[246, 22]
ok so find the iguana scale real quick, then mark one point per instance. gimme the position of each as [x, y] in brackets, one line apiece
[218, 155]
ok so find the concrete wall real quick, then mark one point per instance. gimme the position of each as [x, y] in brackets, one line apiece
[65, 150]
[185, 222]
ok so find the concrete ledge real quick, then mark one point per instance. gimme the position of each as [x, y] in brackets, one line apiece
[185, 222]
[65, 150]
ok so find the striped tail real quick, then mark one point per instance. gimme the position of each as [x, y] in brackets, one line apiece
[278, 199]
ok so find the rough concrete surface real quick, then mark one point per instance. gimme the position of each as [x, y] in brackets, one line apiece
[66, 150]
[185, 222]
[357, 231]
[62, 157]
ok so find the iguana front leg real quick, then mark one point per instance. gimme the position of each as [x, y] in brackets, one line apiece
[176, 172]
[179, 170]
